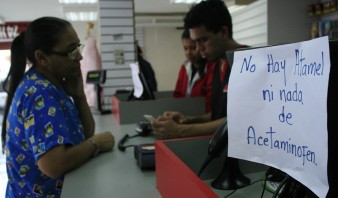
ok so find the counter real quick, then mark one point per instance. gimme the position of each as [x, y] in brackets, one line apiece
[112, 174]
[117, 174]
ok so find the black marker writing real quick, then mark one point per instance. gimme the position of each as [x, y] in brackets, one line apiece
[247, 65]
[291, 95]
[268, 94]
[282, 145]
[303, 69]
[276, 66]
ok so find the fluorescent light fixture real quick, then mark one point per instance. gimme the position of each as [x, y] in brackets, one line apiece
[81, 16]
[184, 1]
[77, 1]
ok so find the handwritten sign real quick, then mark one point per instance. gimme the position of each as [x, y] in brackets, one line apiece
[277, 112]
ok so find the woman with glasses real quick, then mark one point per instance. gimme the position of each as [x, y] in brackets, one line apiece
[48, 128]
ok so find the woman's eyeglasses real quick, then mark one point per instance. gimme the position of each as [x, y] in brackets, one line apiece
[73, 55]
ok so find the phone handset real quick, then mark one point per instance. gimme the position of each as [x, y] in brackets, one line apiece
[217, 144]
[148, 117]
[219, 141]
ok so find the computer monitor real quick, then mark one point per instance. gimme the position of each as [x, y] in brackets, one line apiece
[141, 90]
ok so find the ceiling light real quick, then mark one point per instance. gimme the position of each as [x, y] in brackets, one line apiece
[184, 1]
[81, 16]
[77, 1]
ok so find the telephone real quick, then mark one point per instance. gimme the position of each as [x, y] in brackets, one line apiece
[143, 153]
[230, 177]
[217, 144]
[219, 141]
[143, 129]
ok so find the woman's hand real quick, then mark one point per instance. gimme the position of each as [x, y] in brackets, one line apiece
[74, 85]
[62, 158]
[105, 141]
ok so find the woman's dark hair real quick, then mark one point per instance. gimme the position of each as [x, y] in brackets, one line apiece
[213, 14]
[42, 34]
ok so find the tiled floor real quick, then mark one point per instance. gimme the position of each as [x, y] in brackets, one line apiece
[3, 174]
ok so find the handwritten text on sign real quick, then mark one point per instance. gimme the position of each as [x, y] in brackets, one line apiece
[277, 109]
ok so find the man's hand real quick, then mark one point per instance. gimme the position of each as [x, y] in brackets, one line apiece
[166, 128]
[178, 117]
[175, 115]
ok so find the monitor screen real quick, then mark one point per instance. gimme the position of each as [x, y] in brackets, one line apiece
[96, 77]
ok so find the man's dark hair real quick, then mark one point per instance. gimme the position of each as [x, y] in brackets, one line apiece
[213, 14]
[185, 34]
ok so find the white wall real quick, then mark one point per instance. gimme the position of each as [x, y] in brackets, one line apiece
[271, 22]
[250, 24]
[81, 30]
[288, 21]
[163, 49]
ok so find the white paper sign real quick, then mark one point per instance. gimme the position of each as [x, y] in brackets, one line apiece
[277, 114]
[138, 87]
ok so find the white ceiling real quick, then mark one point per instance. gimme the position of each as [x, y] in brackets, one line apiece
[27, 10]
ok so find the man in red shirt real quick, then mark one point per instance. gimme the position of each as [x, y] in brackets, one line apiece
[210, 26]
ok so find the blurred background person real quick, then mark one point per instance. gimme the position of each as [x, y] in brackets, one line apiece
[147, 70]
[191, 77]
